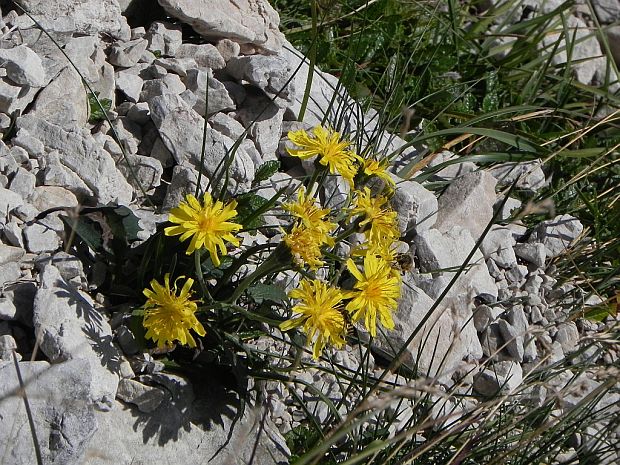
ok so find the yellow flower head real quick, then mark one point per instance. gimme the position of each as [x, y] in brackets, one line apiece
[372, 167]
[382, 220]
[332, 152]
[305, 245]
[374, 294]
[309, 213]
[321, 314]
[168, 317]
[207, 224]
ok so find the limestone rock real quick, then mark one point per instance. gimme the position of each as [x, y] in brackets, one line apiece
[63, 102]
[528, 175]
[500, 377]
[497, 245]
[252, 22]
[468, 202]
[23, 66]
[557, 234]
[127, 54]
[164, 37]
[416, 206]
[219, 99]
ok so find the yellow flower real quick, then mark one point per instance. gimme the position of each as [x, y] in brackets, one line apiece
[321, 314]
[332, 152]
[382, 221]
[309, 213]
[305, 245]
[378, 168]
[206, 224]
[168, 317]
[375, 293]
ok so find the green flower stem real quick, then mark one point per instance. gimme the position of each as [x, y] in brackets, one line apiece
[200, 277]
[279, 260]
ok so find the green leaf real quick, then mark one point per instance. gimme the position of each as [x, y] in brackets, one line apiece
[266, 170]
[247, 206]
[95, 110]
[86, 229]
[271, 292]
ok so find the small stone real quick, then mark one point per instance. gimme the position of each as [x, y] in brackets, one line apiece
[497, 245]
[164, 38]
[205, 55]
[557, 234]
[484, 316]
[7, 347]
[47, 197]
[23, 183]
[567, 336]
[40, 238]
[169, 84]
[228, 49]
[10, 254]
[534, 253]
[500, 377]
[529, 175]
[416, 206]
[130, 84]
[127, 340]
[23, 66]
[219, 99]
[127, 54]
[9, 273]
[146, 398]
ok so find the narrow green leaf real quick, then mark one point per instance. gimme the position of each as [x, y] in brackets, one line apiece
[266, 170]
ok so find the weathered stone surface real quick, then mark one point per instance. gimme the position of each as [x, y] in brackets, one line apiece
[70, 328]
[7, 347]
[557, 234]
[192, 423]
[528, 175]
[534, 253]
[271, 74]
[80, 153]
[607, 11]
[145, 172]
[205, 55]
[263, 119]
[497, 245]
[181, 130]
[40, 238]
[219, 99]
[14, 97]
[437, 252]
[416, 206]
[500, 377]
[252, 22]
[58, 397]
[164, 37]
[8, 201]
[46, 197]
[89, 16]
[146, 398]
[130, 84]
[63, 102]
[127, 54]
[452, 167]
[23, 66]
[567, 336]
[468, 202]
[23, 183]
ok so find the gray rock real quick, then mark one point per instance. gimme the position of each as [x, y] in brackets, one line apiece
[46, 197]
[263, 119]
[169, 84]
[56, 174]
[10, 254]
[438, 252]
[567, 336]
[514, 340]
[128, 133]
[497, 245]
[183, 182]
[557, 234]
[607, 11]
[70, 328]
[493, 343]
[219, 99]
[69, 266]
[13, 233]
[40, 238]
[80, 153]
[501, 377]
[127, 54]
[205, 55]
[484, 316]
[140, 115]
[31, 145]
[82, 51]
[63, 418]
[23, 183]
[63, 102]
[534, 253]
[181, 130]
[271, 74]
[226, 125]
[145, 172]
[7, 347]
[178, 66]
[468, 202]
[23, 66]
[510, 207]
[252, 22]
[14, 97]
[164, 37]
[416, 206]
[146, 398]
[227, 48]
[89, 16]
[8, 201]
[129, 84]
[529, 175]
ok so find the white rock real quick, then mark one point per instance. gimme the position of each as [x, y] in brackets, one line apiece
[178, 66]
[70, 327]
[264, 122]
[46, 197]
[437, 252]
[252, 22]
[468, 202]
[129, 84]
[416, 206]
[90, 16]
[145, 172]
[205, 55]
[146, 398]
[557, 234]
[23, 66]
[181, 130]
[10, 254]
[9, 273]
[271, 74]
[497, 245]
[227, 48]
[56, 174]
[80, 153]
[127, 54]
[567, 336]
[226, 125]
[164, 37]
[169, 84]
[31, 145]
[502, 377]
[529, 175]
[63, 102]
[8, 201]
[607, 11]
[219, 99]
[453, 168]
[82, 51]
[40, 238]
[23, 183]
[14, 97]
[7, 347]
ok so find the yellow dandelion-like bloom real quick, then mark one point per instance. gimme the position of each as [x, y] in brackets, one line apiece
[305, 245]
[377, 168]
[321, 314]
[311, 215]
[382, 221]
[374, 294]
[207, 224]
[168, 317]
[331, 150]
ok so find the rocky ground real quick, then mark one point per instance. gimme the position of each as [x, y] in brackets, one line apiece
[89, 387]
